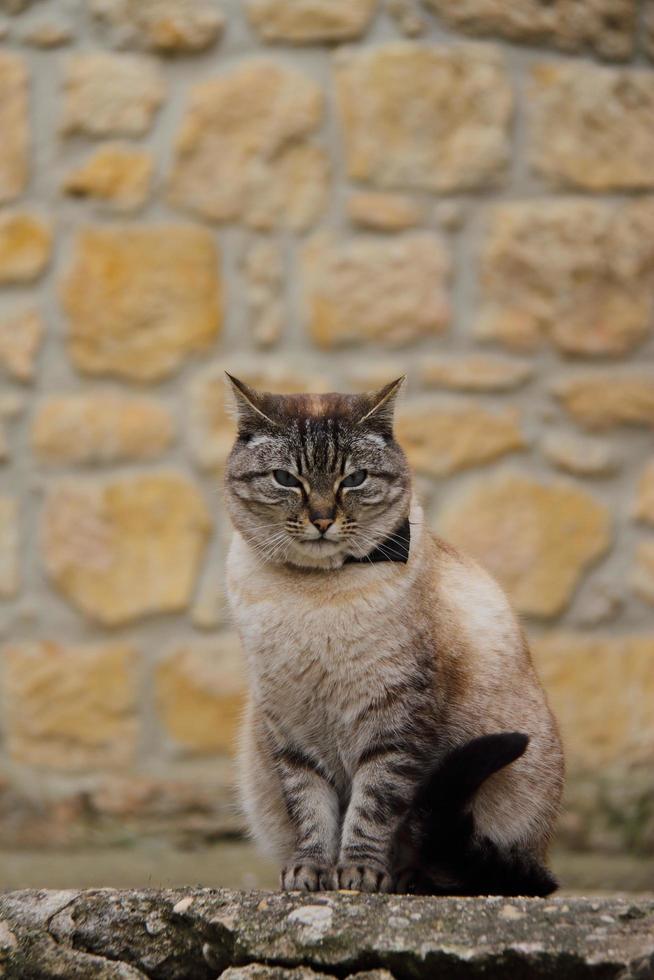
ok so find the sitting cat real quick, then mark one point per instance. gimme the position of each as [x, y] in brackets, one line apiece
[373, 649]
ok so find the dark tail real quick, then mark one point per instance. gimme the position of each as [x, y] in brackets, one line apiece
[452, 859]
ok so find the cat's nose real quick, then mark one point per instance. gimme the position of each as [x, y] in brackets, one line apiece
[322, 523]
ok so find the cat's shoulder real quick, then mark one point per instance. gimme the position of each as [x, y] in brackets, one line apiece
[463, 579]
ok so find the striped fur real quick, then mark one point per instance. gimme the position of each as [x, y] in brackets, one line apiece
[363, 677]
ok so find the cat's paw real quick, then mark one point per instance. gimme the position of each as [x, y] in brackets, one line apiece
[362, 878]
[306, 878]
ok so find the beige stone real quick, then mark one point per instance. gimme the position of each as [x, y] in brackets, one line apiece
[606, 26]
[20, 340]
[103, 427]
[14, 126]
[211, 427]
[108, 94]
[116, 174]
[537, 538]
[444, 437]
[407, 17]
[9, 566]
[450, 215]
[70, 707]
[376, 291]
[141, 299]
[582, 457]
[210, 610]
[369, 375]
[243, 153]
[598, 604]
[47, 34]
[602, 690]
[125, 548]
[25, 246]
[402, 126]
[575, 272]
[310, 21]
[606, 399]
[591, 126]
[648, 27]
[200, 691]
[383, 212]
[474, 372]
[642, 578]
[174, 26]
[263, 266]
[644, 507]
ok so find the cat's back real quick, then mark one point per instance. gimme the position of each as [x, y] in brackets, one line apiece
[474, 613]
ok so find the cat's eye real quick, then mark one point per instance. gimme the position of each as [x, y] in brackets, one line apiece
[355, 479]
[286, 479]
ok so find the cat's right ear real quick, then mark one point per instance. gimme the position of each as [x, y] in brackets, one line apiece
[248, 406]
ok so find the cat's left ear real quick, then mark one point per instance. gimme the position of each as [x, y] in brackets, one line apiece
[248, 406]
[381, 405]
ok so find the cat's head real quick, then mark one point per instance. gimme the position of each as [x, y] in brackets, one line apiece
[313, 479]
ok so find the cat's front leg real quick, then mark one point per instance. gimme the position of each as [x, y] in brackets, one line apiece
[382, 791]
[313, 810]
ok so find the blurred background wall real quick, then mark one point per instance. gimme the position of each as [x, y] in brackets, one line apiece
[314, 194]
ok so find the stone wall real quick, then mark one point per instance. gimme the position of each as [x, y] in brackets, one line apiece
[316, 194]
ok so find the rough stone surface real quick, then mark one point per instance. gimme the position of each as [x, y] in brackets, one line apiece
[168, 26]
[115, 174]
[210, 423]
[310, 21]
[606, 26]
[20, 339]
[606, 399]
[403, 127]
[14, 126]
[243, 151]
[25, 245]
[642, 578]
[9, 544]
[383, 212]
[582, 457]
[263, 266]
[475, 372]
[125, 548]
[590, 126]
[47, 34]
[374, 291]
[181, 933]
[575, 272]
[441, 438]
[141, 299]
[200, 694]
[70, 707]
[536, 538]
[100, 428]
[110, 94]
[644, 506]
[613, 720]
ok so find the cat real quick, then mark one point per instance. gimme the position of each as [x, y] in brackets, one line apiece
[374, 649]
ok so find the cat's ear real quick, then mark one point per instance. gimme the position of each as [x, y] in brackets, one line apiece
[248, 406]
[381, 405]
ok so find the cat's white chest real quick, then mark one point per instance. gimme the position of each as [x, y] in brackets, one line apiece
[319, 658]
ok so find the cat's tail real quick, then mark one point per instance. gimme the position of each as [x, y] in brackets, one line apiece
[452, 859]
[465, 768]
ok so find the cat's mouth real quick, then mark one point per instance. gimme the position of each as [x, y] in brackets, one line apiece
[320, 544]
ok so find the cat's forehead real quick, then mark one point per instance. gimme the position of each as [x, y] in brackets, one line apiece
[308, 407]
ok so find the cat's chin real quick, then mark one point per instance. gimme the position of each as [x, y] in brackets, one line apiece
[317, 554]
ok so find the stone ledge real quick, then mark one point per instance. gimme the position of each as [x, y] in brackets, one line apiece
[179, 934]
